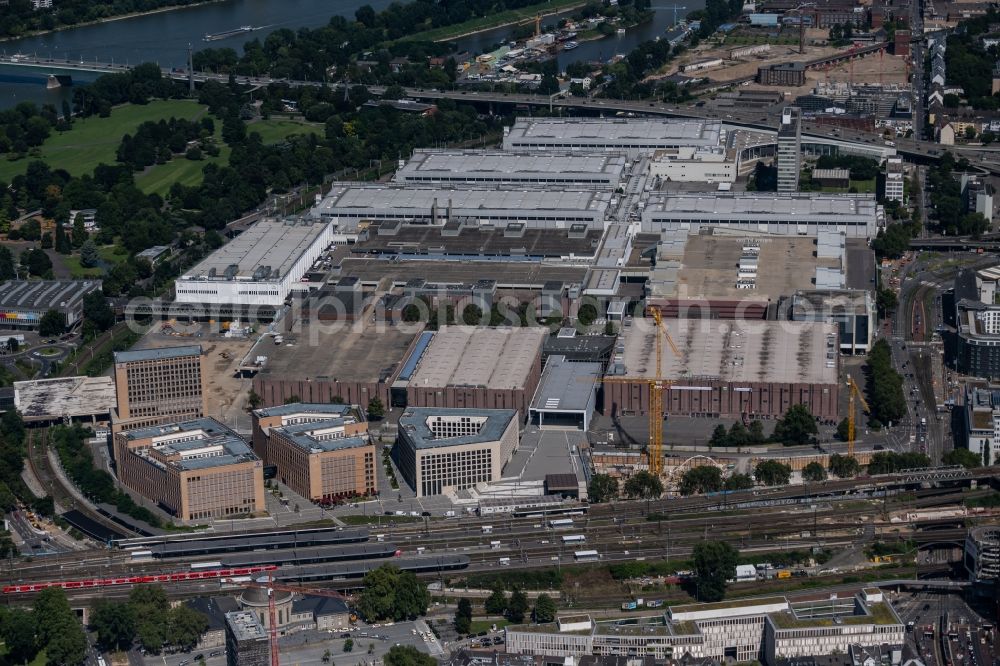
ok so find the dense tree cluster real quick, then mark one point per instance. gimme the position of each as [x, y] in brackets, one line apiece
[51, 626]
[714, 562]
[602, 488]
[861, 168]
[966, 458]
[887, 462]
[158, 142]
[844, 467]
[946, 199]
[138, 85]
[12, 454]
[148, 618]
[797, 426]
[19, 17]
[643, 485]
[25, 126]
[391, 593]
[738, 435]
[70, 443]
[885, 386]
[407, 655]
[772, 473]
[969, 65]
[716, 13]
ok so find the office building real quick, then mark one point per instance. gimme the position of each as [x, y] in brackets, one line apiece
[982, 553]
[894, 176]
[155, 386]
[761, 629]
[494, 368]
[247, 642]
[981, 419]
[632, 136]
[348, 205]
[253, 274]
[853, 311]
[788, 214]
[23, 303]
[321, 451]
[600, 171]
[789, 149]
[688, 164]
[977, 320]
[786, 74]
[441, 450]
[977, 195]
[728, 368]
[195, 470]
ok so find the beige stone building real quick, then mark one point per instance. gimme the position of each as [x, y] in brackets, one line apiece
[321, 451]
[157, 386]
[196, 470]
[440, 449]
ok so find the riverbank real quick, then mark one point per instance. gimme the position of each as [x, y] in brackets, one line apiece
[504, 19]
[111, 19]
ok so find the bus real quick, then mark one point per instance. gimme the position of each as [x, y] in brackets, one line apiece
[586, 556]
[560, 523]
[574, 538]
[195, 566]
[140, 555]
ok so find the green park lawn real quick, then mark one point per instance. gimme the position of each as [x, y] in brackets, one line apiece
[95, 140]
[275, 130]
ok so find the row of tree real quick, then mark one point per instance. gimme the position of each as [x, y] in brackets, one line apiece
[885, 386]
[156, 142]
[147, 618]
[50, 625]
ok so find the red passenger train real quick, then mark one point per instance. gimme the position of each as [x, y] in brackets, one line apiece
[138, 580]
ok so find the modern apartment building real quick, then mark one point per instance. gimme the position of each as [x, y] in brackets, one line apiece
[982, 553]
[157, 386]
[766, 629]
[789, 149]
[195, 470]
[247, 642]
[894, 174]
[440, 449]
[322, 451]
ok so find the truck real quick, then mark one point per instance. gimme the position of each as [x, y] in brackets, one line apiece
[487, 529]
[494, 545]
[504, 561]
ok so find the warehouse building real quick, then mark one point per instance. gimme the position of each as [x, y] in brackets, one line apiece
[761, 629]
[156, 386]
[253, 274]
[195, 470]
[441, 450]
[802, 214]
[321, 451]
[728, 368]
[599, 171]
[348, 205]
[481, 368]
[566, 394]
[23, 303]
[632, 136]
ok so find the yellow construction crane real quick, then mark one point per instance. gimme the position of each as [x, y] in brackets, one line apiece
[538, 25]
[854, 391]
[657, 384]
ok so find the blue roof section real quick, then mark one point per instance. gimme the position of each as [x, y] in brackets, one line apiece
[418, 350]
[157, 354]
[304, 408]
[413, 425]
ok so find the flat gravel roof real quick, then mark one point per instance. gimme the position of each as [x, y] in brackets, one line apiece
[503, 165]
[494, 358]
[627, 131]
[45, 294]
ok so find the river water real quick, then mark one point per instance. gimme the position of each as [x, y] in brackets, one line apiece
[164, 38]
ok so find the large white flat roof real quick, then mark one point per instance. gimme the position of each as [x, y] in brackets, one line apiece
[270, 242]
[495, 358]
[627, 131]
[44, 399]
[766, 207]
[506, 165]
[465, 200]
[736, 350]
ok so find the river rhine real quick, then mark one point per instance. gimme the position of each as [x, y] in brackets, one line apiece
[164, 38]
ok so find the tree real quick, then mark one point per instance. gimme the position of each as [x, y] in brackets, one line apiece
[52, 323]
[701, 479]
[79, 230]
[796, 427]
[602, 488]
[114, 624]
[407, 655]
[545, 609]
[292, 399]
[843, 429]
[738, 482]
[963, 457]
[472, 315]
[496, 603]
[586, 314]
[7, 271]
[518, 606]
[18, 631]
[772, 473]
[62, 244]
[886, 301]
[844, 467]
[89, 256]
[412, 597]
[376, 410]
[814, 472]
[97, 311]
[463, 616]
[254, 400]
[714, 564]
[185, 626]
[643, 485]
[58, 629]
[349, 645]
[756, 431]
[390, 593]
[720, 437]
